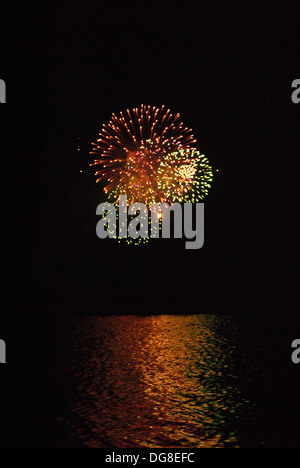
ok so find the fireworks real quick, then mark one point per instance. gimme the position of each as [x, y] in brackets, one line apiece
[147, 154]
[184, 176]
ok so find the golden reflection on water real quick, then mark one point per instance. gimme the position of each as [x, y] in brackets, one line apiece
[160, 381]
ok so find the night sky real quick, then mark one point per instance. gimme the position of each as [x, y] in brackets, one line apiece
[228, 70]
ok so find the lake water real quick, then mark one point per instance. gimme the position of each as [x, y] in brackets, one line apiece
[158, 381]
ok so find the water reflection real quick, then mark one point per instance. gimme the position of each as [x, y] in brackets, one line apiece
[164, 381]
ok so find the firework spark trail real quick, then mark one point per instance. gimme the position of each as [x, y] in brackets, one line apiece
[147, 154]
[184, 176]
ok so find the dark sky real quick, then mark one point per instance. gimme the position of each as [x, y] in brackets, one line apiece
[228, 70]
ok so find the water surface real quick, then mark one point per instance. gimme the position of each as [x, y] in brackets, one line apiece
[156, 381]
[164, 381]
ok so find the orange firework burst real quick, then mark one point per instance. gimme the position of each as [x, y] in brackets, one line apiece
[131, 148]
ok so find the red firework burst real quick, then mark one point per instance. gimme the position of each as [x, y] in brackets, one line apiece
[132, 146]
